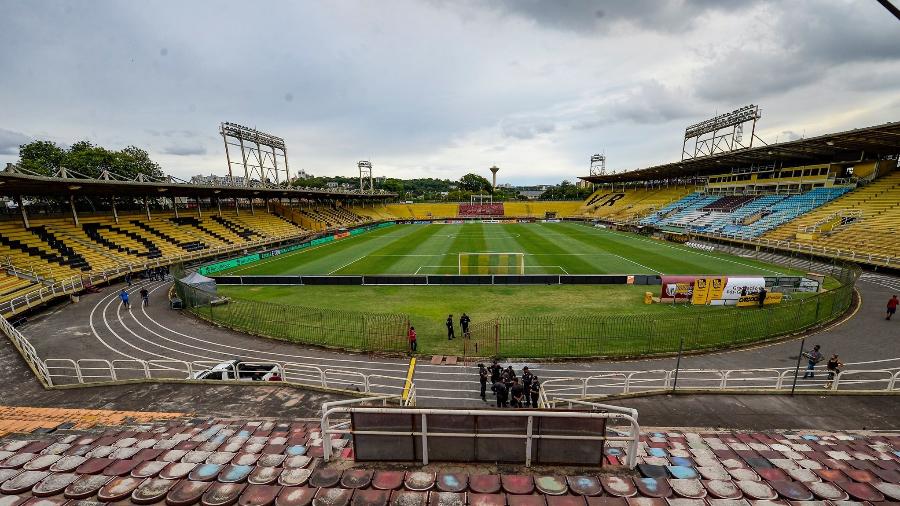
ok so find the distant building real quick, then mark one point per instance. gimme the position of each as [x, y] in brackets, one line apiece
[531, 194]
[215, 180]
[331, 184]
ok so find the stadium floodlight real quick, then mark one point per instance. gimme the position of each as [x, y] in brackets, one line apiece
[721, 134]
[365, 176]
[491, 263]
[598, 165]
[263, 156]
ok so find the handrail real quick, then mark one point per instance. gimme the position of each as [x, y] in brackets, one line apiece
[555, 390]
[327, 429]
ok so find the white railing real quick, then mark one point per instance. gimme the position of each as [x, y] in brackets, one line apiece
[64, 371]
[632, 438]
[614, 383]
[26, 350]
[845, 254]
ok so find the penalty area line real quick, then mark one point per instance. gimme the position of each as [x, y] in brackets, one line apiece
[347, 264]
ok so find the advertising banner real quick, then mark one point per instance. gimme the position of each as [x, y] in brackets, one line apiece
[701, 291]
[677, 287]
[753, 300]
[734, 287]
[717, 288]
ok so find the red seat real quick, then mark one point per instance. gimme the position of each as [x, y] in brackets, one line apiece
[371, 497]
[517, 483]
[152, 490]
[356, 478]
[118, 488]
[452, 482]
[618, 486]
[186, 492]
[487, 499]
[86, 486]
[484, 483]
[447, 499]
[388, 480]
[222, 494]
[584, 485]
[861, 491]
[526, 500]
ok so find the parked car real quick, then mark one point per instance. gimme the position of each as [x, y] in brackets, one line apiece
[245, 371]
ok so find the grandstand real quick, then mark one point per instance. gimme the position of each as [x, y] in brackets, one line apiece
[834, 195]
[179, 460]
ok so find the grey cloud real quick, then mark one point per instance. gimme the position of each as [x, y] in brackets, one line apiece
[523, 129]
[10, 141]
[810, 47]
[596, 15]
[185, 150]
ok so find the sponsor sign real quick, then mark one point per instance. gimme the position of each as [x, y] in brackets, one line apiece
[677, 287]
[753, 300]
[735, 286]
[717, 288]
[701, 291]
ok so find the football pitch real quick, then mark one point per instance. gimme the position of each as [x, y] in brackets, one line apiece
[548, 248]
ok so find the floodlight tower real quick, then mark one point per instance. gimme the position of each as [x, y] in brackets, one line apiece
[365, 176]
[494, 170]
[598, 165]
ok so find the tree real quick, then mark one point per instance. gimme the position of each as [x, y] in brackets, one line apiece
[42, 157]
[475, 183]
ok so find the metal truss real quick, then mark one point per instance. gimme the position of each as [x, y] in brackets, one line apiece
[721, 134]
[263, 157]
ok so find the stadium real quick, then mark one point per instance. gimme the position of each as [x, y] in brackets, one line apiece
[663, 339]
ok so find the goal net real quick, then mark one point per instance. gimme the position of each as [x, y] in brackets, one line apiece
[492, 263]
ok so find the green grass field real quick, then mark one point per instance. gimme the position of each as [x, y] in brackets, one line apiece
[551, 248]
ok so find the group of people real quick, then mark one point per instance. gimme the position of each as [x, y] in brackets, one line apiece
[814, 357]
[126, 303]
[509, 389]
[463, 324]
[464, 321]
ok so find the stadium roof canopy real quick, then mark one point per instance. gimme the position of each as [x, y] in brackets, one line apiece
[869, 142]
[14, 182]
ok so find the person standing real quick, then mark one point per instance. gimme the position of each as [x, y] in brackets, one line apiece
[145, 297]
[464, 324]
[124, 296]
[483, 376]
[535, 392]
[892, 307]
[526, 384]
[128, 278]
[833, 366]
[450, 334]
[813, 357]
[762, 296]
[518, 394]
[495, 372]
[411, 335]
[501, 391]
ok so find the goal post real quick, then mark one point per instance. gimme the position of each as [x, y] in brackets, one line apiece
[492, 263]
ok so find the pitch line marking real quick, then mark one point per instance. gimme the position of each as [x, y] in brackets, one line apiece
[347, 264]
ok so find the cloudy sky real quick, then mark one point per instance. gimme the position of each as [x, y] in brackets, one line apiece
[436, 88]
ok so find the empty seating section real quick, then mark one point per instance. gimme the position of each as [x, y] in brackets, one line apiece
[12, 286]
[58, 249]
[625, 205]
[728, 204]
[212, 462]
[740, 216]
[540, 208]
[332, 217]
[875, 230]
[481, 209]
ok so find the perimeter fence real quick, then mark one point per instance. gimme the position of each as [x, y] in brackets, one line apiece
[351, 330]
[683, 328]
[663, 330]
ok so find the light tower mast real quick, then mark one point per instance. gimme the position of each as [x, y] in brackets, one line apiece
[365, 176]
[598, 165]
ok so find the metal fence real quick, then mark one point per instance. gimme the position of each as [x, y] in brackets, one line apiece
[321, 327]
[556, 392]
[682, 328]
